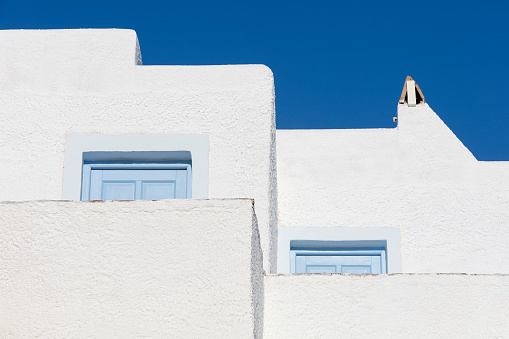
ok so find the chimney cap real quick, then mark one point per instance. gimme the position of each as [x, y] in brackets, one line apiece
[411, 93]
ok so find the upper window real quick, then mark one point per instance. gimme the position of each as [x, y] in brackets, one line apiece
[135, 166]
[339, 260]
[136, 181]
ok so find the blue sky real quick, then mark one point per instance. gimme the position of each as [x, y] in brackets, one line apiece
[337, 64]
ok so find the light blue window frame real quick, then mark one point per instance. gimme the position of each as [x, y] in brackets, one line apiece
[87, 170]
[338, 252]
[81, 149]
[341, 237]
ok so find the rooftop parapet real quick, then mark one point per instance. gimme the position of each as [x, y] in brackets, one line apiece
[64, 59]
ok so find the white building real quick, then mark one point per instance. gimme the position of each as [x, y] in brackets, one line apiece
[82, 119]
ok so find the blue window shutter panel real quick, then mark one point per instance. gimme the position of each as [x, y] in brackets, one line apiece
[357, 261]
[111, 182]
[157, 190]
[116, 190]
[357, 269]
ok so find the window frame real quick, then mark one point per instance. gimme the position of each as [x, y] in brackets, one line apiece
[77, 146]
[339, 237]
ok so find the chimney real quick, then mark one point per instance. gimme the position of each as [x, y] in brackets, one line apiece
[411, 93]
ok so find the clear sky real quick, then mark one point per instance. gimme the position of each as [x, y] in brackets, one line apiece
[337, 64]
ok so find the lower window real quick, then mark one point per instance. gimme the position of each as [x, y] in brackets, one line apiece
[339, 260]
[143, 181]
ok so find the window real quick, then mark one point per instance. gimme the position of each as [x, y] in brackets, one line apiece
[339, 260]
[136, 181]
[339, 250]
[89, 157]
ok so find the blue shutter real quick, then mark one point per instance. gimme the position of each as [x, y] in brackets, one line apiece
[359, 261]
[106, 182]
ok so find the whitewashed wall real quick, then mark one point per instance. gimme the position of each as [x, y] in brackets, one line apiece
[60, 82]
[165, 269]
[386, 306]
[452, 210]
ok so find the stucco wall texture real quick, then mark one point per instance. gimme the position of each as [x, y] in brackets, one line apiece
[452, 210]
[386, 306]
[165, 269]
[60, 82]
